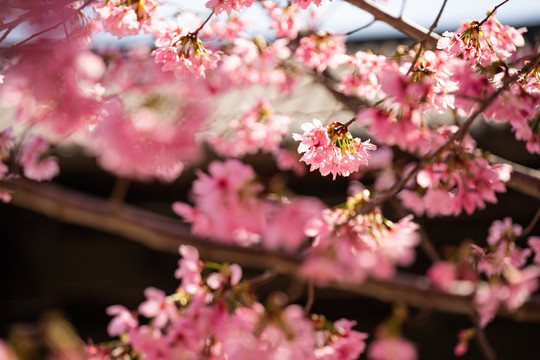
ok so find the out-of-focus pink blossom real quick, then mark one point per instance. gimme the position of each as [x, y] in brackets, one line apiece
[158, 307]
[129, 17]
[392, 348]
[320, 50]
[284, 20]
[122, 322]
[347, 344]
[355, 245]
[534, 243]
[189, 270]
[442, 274]
[228, 5]
[305, 3]
[259, 128]
[36, 164]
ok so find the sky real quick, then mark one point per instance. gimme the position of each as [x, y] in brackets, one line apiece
[341, 17]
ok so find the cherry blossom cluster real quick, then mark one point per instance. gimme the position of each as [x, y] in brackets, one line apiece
[229, 207]
[320, 50]
[389, 343]
[349, 245]
[127, 17]
[284, 20]
[33, 156]
[332, 149]
[182, 51]
[258, 129]
[498, 274]
[363, 80]
[225, 30]
[215, 315]
[228, 5]
[305, 3]
[251, 62]
[483, 42]
[148, 130]
[459, 180]
[64, 98]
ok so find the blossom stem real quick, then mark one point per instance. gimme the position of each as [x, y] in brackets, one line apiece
[531, 225]
[310, 297]
[204, 23]
[483, 341]
[491, 13]
[424, 40]
[360, 28]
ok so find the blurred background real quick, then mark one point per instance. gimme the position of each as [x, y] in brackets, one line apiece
[53, 271]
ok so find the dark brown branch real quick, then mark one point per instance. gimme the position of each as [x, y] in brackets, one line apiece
[407, 27]
[524, 179]
[482, 341]
[166, 234]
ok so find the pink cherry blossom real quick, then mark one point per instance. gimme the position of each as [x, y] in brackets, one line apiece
[182, 51]
[123, 18]
[254, 61]
[257, 129]
[484, 43]
[158, 307]
[534, 243]
[305, 3]
[228, 5]
[122, 322]
[356, 245]
[284, 20]
[189, 270]
[393, 348]
[37, 166]
[228, 30]
[442, 274]
[320, 50]
[332, 149]
[347, 344]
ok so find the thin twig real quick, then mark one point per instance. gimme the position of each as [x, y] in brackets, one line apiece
[402, 10]
[119, 192]
[265, 277]
[483, 341]
[310, 296]
[531, 225]
[423, 42]
[491, 13]
[204, 23]
[425, 242]
[360, 28]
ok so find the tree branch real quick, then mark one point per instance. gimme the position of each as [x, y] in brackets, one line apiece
[407, 27]
[166, 234]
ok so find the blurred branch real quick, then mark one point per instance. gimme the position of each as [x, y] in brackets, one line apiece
[166, 234]
[407, 27]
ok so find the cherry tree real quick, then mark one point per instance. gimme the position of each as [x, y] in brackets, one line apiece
[151, 113]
